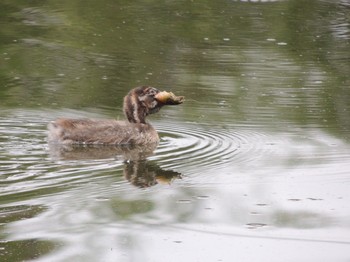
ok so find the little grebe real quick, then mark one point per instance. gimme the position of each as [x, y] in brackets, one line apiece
[138, 103]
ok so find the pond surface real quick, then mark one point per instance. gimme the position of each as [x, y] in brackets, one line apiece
[254, 166]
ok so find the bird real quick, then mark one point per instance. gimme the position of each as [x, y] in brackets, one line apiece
[138, 104]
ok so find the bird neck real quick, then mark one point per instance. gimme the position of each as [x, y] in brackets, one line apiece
[134, 111]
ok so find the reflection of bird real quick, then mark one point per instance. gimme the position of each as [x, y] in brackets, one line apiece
[138, 103]
[146, 174]
[84, 152]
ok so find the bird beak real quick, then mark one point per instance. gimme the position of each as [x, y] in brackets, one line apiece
[168, 98]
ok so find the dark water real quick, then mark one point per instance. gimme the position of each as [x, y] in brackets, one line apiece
[254, 166]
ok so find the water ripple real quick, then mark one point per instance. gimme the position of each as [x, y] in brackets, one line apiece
[193, 150]
[210, 147]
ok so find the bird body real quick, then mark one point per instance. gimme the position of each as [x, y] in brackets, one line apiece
[139, 103]
[91, 131]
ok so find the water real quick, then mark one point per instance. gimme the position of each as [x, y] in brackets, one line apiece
[254, 166]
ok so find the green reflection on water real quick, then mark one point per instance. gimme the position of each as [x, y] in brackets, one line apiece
[279, 61]
[20, 250]
[25, 250]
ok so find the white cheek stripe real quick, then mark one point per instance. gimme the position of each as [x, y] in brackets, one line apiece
[136, 109]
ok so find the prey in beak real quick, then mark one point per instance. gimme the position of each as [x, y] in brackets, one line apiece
[168, 98]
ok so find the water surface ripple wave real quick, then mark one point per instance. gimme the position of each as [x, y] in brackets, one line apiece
[189, 148]
[207, 146]
[28, 167]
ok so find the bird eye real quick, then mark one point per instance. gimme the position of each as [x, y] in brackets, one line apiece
[152, 91]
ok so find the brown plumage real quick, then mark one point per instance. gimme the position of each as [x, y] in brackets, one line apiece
[138, 104]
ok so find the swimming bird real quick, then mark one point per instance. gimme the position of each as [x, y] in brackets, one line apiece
[138, 104]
